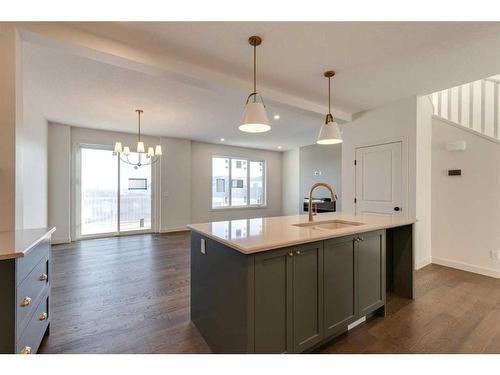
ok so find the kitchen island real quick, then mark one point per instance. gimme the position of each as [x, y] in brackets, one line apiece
[287, 285]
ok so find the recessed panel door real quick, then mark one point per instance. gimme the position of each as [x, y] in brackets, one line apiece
[380, 185]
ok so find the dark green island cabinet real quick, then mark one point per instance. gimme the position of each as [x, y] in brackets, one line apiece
[294, 299]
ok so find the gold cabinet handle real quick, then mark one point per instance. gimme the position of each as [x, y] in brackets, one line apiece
[44, 277]
[43, 316]
[297, 252]
[290, 254]
[26, 301]
[26, 350]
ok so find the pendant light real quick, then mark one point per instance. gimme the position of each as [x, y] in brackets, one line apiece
[254, 116]
[143, 157]
[329, 134]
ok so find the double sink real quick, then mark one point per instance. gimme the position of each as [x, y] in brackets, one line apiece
[327, 225]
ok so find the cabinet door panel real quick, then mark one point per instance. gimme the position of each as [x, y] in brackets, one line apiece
[272, 302]
[339, 284]
[371, 272]
[307, 296]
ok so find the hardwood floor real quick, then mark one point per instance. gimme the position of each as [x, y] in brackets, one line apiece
[131, 295]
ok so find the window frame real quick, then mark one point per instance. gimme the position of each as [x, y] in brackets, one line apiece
[248, 205]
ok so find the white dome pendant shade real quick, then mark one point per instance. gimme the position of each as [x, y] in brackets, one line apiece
[254, 119]
[329, 134]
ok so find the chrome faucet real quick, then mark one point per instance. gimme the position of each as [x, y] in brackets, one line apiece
[332, 192]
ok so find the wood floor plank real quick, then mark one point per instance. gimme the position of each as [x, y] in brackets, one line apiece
[131, 295]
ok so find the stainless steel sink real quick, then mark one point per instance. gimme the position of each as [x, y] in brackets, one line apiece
[328, 224]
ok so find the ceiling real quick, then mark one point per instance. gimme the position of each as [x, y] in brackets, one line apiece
[376, 63]
[78, 91]
[371, 58]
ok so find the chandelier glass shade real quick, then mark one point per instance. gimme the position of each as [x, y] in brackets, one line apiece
[143, 158]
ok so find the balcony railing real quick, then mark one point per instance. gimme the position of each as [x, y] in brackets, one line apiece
[474, 105]
[99, 214]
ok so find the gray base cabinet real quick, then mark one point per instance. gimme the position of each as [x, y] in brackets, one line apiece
[24, 296]
[340, 284]
[289, 300]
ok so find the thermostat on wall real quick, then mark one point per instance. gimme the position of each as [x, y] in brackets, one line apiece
[456, 146]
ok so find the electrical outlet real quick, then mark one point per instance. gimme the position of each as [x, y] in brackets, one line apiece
[495, 254]
[202, 246]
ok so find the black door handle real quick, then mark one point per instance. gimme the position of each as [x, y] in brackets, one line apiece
[396, 208]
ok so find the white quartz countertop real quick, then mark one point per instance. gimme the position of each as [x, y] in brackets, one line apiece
[17, 243]
[259, 234]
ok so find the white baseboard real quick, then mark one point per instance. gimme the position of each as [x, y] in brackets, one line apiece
[175, 229]
[467, 267]
[60, 240]
[423, 263]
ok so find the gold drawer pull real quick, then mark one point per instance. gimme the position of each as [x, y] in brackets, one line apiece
[44, 277]
[26, 350]
[26, 301]
[43, 316]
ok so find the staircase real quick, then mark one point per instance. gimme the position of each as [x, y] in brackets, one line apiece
[474, 105]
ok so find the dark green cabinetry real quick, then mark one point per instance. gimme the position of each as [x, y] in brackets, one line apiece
[273, 302]
[307, 292]
[288, 300]
[339, 284]
[370, 255]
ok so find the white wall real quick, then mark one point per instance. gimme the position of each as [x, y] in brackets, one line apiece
[393, 122]
[423, 227]
[465, 209]
[8, 177]
[32, 143]
[290, 178]
[326, 159]
[183, 178]
[175, 184]
[59, 181]
[201, 182]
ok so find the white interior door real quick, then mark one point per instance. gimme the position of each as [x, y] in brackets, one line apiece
[379, 180]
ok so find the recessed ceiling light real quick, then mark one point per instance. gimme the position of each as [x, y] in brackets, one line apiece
[279, 147]
[276, 116]
[222, 139]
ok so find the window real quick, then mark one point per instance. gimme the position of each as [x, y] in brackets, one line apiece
[137, 183]
[237, 182]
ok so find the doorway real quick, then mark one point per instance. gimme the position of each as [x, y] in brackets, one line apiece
[381, 186]
[112, 197]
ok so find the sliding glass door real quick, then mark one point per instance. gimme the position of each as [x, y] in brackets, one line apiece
[135, 197]
[113, 197]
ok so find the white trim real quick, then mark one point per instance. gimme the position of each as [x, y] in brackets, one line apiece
[423, 263]
[60, 240]
[175, 229]
[467, 267]
[472, 131]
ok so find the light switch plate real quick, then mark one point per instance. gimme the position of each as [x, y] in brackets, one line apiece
[202, 246]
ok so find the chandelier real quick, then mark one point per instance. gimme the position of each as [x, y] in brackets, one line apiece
[143, 157]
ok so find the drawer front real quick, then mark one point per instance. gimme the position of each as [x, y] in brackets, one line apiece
[26, 264]
[29, 293]
[30, 339]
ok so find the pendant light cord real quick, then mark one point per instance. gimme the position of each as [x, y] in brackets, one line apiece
[255, 73]
[139, 134]
[329, 96]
